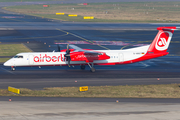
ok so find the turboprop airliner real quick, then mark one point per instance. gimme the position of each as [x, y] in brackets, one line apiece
[78, 56]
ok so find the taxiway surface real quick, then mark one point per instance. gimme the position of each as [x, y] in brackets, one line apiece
[40, 34]
[44, 35]
[31, 108]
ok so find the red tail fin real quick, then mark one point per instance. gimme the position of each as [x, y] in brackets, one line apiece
[162, 40]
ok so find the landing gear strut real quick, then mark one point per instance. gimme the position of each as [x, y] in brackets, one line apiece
[83, 67]
[91, 66]
[12, 68]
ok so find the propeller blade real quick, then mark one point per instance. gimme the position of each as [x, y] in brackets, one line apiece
[67, 46]
[67, 55]
[68, 51]
[69, 61]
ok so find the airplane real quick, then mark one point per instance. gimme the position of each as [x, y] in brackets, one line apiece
[82, 57]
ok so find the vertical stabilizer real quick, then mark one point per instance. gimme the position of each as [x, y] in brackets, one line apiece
[162, 40]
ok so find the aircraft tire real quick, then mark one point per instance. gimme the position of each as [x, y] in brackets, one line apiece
[83, 67]
[13, 69]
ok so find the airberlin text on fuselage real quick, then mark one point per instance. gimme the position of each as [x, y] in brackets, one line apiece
[47, 58]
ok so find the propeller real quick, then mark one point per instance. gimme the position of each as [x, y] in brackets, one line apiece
[67, 55]
[59, 48]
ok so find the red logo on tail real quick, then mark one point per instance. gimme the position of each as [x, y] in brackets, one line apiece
[163, 40]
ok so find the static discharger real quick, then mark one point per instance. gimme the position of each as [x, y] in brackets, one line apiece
[59, 13]
[83, 88]
[13, 90]
[72, 15]
[88, 17]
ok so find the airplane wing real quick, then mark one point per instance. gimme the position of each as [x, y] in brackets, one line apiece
[88, 56]
[78, 49]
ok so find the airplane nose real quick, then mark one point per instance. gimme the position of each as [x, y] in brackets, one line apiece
[7, 63]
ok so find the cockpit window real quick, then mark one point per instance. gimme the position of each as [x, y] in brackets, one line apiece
[18, 56]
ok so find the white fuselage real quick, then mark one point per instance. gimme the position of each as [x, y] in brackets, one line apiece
[57, 58]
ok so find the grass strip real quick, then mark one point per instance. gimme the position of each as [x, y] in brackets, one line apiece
[147, 12]
[79, 18]
[11, 50]
[128, 91]
[2, 60]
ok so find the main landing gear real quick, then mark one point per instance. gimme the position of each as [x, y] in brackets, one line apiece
[91, 66]
[83, 67]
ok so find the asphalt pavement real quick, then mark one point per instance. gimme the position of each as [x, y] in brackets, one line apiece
[41, 34]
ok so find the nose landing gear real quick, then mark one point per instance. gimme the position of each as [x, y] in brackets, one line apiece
[12, 68]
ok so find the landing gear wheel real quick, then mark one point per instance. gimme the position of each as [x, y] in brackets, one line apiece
[83, 67]
[91, 66]
[93, 69]
[13, 69]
